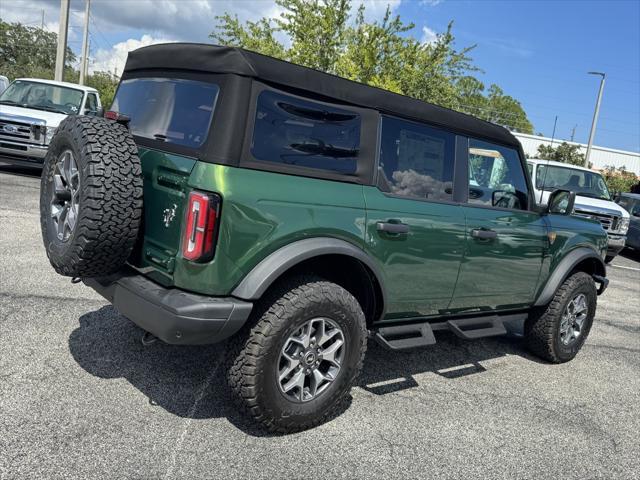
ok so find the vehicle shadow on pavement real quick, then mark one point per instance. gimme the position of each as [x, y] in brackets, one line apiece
[451, 357]
[189, 381]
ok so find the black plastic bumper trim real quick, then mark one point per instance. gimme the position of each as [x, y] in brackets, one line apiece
[172, 315]
[603, 281]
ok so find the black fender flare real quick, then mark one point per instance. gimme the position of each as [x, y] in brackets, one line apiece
[262, 276]
[564, 268]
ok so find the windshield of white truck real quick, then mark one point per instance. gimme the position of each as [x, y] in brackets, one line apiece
[583, 182]
[42, 96]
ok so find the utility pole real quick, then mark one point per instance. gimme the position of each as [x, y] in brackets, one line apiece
[553, 135]
[42, 22]
[86, 65]
[573, 132]
[62, 40]
[85, 43]
[595, 117]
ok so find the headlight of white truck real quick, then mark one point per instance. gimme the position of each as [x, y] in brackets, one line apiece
[623, 226]
[51, 131]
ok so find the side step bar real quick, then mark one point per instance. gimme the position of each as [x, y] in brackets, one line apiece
[403, 337]
[472, 328]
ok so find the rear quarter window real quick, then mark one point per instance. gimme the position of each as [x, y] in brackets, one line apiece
[302, 133]
[175, 111]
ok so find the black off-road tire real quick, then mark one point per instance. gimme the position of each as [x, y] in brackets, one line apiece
[109, 197]
[542, 329]
[252, 355]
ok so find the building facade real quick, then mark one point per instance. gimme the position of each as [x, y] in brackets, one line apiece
[601, 157]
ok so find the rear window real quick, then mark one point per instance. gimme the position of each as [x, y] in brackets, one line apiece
[292, 131]
[170, 110]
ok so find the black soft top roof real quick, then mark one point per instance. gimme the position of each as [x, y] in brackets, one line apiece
[232, 60]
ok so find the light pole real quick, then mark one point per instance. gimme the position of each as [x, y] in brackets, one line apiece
[62, 40]
[85, 44]
[595, 117]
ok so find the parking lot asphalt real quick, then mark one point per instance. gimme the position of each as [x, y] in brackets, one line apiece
[80, 397]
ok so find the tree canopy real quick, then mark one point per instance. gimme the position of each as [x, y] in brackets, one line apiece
[322, 34]
[27, 51]
[564, 152]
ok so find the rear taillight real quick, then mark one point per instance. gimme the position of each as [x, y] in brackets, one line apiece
[199, 242]
[117, 117]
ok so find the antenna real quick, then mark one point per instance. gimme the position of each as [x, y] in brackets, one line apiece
[544, 179]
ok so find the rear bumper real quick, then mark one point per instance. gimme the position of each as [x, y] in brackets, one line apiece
[172, 315]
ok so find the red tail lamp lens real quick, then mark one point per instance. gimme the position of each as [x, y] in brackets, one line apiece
[198, 244]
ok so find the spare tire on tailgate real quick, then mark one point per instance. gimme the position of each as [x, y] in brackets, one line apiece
[90, 197]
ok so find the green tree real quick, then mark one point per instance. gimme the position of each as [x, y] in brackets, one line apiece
[379, 53]
[104, 82]
[495, 107]
[31, 52]
[27, 51]
[562, 153]
[316, 29]
[619, 180]
[256, 36]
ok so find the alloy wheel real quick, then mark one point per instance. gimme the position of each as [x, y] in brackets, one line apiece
[65, 196]
[573, 318]
[310, 359]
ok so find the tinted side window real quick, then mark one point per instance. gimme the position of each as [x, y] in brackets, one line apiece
[416, 160]
[91, 105]
[297, 132]
[167, 109]
[496, 177]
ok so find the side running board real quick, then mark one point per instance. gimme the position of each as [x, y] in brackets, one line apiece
[403, 337]
[472, 328]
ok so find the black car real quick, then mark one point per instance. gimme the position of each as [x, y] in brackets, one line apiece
[631, 202]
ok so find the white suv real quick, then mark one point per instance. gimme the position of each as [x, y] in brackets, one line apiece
[592, 197]
[30, 111]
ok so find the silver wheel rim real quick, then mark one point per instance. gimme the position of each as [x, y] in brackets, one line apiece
[65, 196]
[573, 318]
[310, 359]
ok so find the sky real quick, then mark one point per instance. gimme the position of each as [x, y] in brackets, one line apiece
[537, 51]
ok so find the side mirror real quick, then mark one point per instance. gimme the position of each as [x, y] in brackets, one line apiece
[561, 202]
[504, 199]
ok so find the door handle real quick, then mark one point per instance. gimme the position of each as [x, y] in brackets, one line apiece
[483, 234]
[391, 227]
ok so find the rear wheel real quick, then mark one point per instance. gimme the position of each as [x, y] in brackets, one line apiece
[557, 331]
[293, 368]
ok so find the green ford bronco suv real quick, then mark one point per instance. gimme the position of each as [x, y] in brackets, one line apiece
[294, 214]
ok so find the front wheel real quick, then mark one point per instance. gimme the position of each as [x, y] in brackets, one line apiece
[557, 331]
[292, 369]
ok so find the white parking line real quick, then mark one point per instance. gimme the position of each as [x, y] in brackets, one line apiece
[626, 268]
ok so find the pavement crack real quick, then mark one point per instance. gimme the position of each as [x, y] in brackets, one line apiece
[202, 391]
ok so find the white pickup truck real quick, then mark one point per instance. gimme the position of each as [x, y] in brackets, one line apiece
[593, 199]
[30, 111]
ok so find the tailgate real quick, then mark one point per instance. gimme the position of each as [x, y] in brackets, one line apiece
[165, 193]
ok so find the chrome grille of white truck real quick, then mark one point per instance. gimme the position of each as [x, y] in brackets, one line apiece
[608, 222]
